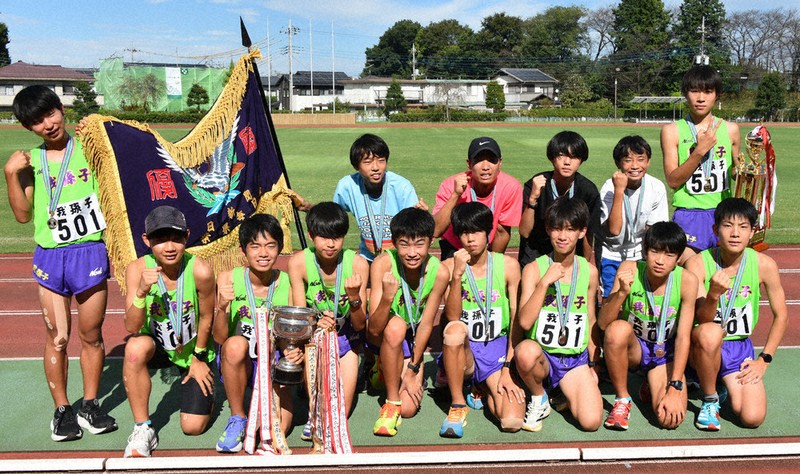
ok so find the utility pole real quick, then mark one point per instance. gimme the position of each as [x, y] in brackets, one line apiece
[311, 62]
[132, 51]
[291, 31]
[702, 58]
[269, 69]
[414, 61]
[333, 69]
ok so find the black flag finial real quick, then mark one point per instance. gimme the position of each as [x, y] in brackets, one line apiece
[246, 42]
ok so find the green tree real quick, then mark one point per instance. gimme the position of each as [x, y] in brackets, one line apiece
[495, 97]
[198, 95]
[392, 55]
[85, 102]
[395, 100]
[771, 94]
[555, 37]
[641, 42]
[441, 49]
[575, 91]
[142, 92]
[688, 38]
[497, 43]
[5, 58]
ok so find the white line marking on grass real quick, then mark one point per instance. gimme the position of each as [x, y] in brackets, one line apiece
[789, 270]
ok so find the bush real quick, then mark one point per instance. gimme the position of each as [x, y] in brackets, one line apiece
[186, 116]
[437, 114]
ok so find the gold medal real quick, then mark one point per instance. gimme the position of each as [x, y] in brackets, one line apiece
[179, 348]
[660, 351]
[52, 223]
[708, 188]
[562, 337]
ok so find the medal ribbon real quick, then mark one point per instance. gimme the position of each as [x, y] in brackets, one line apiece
[55, 195]
[337, 292]
[706, 161]
[175, 317]
[630, 216]
[484, 306]
[563, 309]
[251, 296]
[727, 303]
[475, 197]
[413, 310]
[664, 313]
[554, 191]
[376, 226]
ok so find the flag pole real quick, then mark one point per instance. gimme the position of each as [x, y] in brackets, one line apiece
[247, 43]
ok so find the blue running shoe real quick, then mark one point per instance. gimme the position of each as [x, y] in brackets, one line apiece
[306, 434]
[231, 439]
[475, 398]
[708, 419]
[453, 426]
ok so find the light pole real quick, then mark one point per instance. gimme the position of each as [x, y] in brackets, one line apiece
[615, 94]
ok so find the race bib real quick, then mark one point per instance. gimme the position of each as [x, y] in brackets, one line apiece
[647, 329]
[248, 331]
[548, 330]
[740, 322]
[479, 330]
[164, 333]
[77, 219]
[715, 182]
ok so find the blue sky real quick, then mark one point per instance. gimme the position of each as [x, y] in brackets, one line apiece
[81, 33]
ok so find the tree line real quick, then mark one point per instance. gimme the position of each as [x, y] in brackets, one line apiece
[641, 44]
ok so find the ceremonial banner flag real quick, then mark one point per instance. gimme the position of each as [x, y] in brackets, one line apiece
[224, 170]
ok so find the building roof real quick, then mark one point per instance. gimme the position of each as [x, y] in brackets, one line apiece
[525, 75]
[303, 78]
[386, 80]
[22, 70]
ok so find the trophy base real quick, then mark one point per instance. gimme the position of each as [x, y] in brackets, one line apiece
[288, 377]
[760, 246]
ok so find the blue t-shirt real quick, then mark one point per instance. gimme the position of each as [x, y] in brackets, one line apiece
[400, 194]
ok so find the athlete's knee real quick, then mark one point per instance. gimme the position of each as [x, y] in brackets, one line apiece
[526, 354]
[455, 333]
[617, 334]
[510, 424]
[235, 349]
[395, 332]
[707, 337]
[137, 349]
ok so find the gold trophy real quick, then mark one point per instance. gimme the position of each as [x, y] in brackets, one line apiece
[753, 180]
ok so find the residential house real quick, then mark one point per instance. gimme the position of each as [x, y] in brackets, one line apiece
[62, 80]
[525, 87]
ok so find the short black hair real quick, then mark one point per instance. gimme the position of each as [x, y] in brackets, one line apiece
[260, 225]
[327, 219]
[567, 212]
[701, 78]
[366, 145]
[470, 217]
[663, 236]
[735, 207]
[412, 222]
[34, 102]
[631, 143]
[567, 143]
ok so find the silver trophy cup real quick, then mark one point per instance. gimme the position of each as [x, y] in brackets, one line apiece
[292, 326]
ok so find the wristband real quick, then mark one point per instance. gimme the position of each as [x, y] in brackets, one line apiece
[592, 364]
[506, 365]
[139, 302]
[355, 304]
[413, 367]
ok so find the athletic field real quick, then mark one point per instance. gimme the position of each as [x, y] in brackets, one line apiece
[316, 159]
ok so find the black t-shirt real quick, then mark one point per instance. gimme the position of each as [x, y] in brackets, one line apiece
[538, 243]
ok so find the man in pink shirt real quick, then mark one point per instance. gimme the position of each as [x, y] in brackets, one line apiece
[483, 182]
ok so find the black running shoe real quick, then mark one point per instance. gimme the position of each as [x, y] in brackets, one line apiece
[64, 425]
[93, 419]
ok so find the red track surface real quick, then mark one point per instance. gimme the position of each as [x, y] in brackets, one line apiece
[22, 330]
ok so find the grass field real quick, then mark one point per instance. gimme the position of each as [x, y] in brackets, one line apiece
[316, 158]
